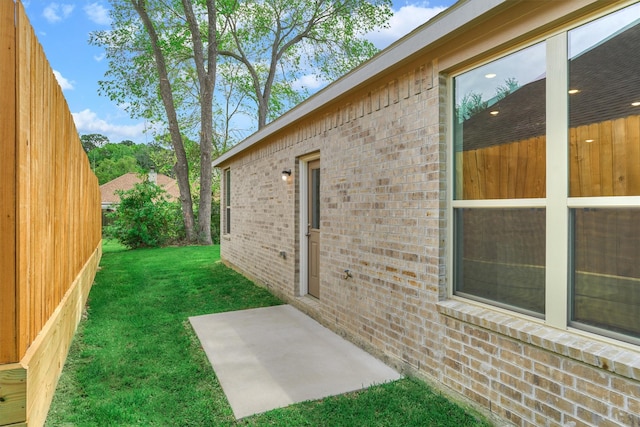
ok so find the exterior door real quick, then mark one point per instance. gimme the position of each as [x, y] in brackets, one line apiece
[313, 228]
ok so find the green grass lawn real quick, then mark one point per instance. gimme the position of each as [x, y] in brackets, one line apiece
[136, 361]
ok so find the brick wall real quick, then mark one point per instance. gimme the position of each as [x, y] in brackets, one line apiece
[383, 217]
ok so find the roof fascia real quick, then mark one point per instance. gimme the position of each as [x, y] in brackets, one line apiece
[433, 31]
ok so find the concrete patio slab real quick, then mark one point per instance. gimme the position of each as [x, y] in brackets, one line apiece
[267, 358]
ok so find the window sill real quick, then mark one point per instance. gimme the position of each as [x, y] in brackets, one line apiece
[570, 343]
[226, 237]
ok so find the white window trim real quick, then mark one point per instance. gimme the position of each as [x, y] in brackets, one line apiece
[303, 189]
[227, 206]
[557, 161]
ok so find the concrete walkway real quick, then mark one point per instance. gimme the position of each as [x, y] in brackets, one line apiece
[271, 357]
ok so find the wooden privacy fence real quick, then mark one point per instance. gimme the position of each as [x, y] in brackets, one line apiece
[603, 161]
[50, 224]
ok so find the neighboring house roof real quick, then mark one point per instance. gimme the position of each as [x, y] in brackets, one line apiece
[599, 75]
[128, 180]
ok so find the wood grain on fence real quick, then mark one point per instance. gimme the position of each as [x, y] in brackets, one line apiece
[8, 345]
[603, 161]
[604, 158]
[50, 197]
[50, 224]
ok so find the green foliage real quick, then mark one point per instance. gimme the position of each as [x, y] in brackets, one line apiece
[215, 216]
[324, 39]
[145, 218]
[109, 160]
[471, 104]
[264, 51]
[256, 53]
[93, 141]
[109, 169]
[510, 85]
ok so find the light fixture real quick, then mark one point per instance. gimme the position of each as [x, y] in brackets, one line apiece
[490, 75]
[573, 91]
[589, 140]
[286, 174]
[494, 112]
[635, 104]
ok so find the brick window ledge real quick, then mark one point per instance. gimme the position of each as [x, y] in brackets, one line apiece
[620, 360]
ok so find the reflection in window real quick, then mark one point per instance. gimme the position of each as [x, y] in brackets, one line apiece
[604, 106]
[500, 130]
[500, 257]
[500, 151]
[606, 271]
[315, 199]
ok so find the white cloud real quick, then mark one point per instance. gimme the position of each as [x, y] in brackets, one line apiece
[403, 21]
[100, 57]
[98, 14]
[88, 121]
[309, 82]
[64, 83]
[56, 12]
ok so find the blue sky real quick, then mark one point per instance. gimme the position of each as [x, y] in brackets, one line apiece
[63, 28]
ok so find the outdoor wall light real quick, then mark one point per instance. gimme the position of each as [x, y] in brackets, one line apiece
[286, 174]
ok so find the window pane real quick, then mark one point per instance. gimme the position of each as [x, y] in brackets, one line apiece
[227, 183]
[606, 283]
[500, 127]
[315, 199]
[604, 106]
[500, 257]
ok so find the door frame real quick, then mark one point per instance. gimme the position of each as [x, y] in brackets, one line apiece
[303, 220]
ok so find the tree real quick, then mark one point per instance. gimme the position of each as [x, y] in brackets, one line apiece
[510, 85]
[279, 40]
[109, 169]
[144, 217]
[471, 104]
[93, 140]
[169, 50]
[112, 160]
[156, 43]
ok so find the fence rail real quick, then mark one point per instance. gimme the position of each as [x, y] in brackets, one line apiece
[50, 223]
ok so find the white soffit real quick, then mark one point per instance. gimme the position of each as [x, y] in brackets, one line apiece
[452, 19]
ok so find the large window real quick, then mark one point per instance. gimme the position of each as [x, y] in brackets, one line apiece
[546, 172]
[499, 181]
[227, 201]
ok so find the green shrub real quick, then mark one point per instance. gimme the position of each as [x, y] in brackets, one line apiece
[215, 221]
[145, 218]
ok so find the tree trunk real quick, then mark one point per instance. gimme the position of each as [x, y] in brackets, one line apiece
[182, 166]
[206, 82]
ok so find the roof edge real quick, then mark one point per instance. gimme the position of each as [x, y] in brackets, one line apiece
[437, 28]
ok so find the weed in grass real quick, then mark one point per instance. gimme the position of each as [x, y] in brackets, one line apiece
[136, 361]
